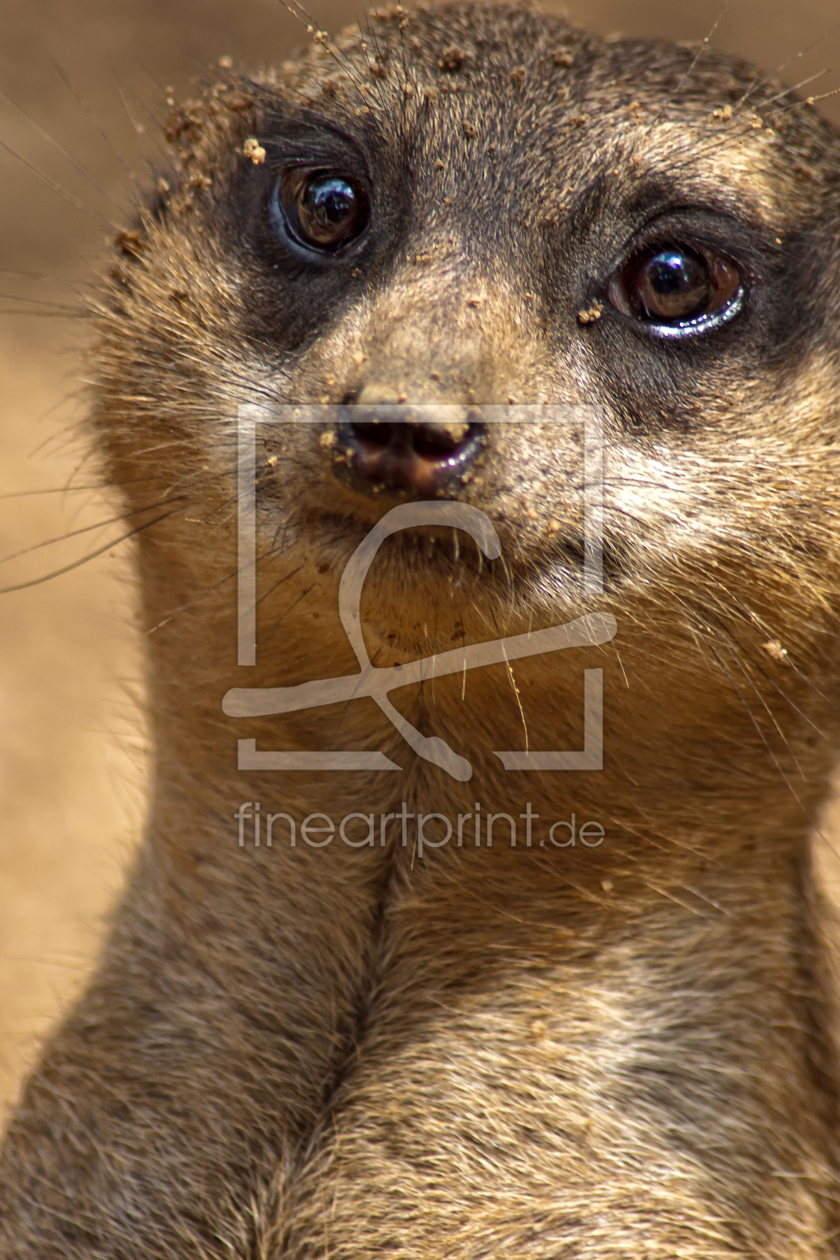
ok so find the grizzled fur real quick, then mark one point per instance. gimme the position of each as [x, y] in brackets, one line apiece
[473, 1052]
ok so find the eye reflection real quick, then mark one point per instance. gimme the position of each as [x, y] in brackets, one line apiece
[323, 210]
[672, 285]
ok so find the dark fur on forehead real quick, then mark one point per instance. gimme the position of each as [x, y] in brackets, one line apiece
[406, 60]
[450, 82]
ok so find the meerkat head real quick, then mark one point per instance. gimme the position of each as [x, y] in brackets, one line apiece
[463, 212]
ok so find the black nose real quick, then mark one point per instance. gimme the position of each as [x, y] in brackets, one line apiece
[411, 451]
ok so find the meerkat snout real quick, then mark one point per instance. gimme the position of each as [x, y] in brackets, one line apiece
[409, 423]
[413, 451]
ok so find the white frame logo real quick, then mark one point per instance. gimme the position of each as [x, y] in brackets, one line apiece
[376, 683]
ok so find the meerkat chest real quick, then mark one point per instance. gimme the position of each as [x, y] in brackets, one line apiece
[516, 1085]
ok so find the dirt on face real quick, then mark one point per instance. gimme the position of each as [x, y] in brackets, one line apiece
[91, 80]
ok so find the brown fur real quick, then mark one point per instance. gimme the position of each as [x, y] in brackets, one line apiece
[583, 1052]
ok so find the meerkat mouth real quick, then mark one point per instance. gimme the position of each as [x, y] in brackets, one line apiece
[368, 458]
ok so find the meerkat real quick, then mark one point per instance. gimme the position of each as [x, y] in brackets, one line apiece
[593, 1020]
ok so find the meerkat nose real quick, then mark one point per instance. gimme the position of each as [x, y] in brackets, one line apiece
[411, 450]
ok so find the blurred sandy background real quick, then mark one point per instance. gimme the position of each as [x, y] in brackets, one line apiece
[71, 767]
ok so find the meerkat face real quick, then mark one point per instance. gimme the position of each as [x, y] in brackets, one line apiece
[471, 210]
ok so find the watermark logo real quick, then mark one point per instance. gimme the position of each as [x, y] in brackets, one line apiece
[376, 683]
[479, 828]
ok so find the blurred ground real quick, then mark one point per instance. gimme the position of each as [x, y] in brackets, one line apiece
[71, 768]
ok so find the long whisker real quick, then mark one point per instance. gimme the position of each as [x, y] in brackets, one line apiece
[83, 529]
[68, 568]
[49, 308]
[70, 489]
[758, 729]
[812, 78]
[56, 312]
[68, 157]
[733, 655]
[139, 130]
[57, 188]
[702, 619]
[25, 275]
[791, 665]
[760, 83]
[80, 101]
[211, 590]
[300, 14]
[704, 46]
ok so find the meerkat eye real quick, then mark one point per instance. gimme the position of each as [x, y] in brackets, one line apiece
[677, 289]
[322, 210]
